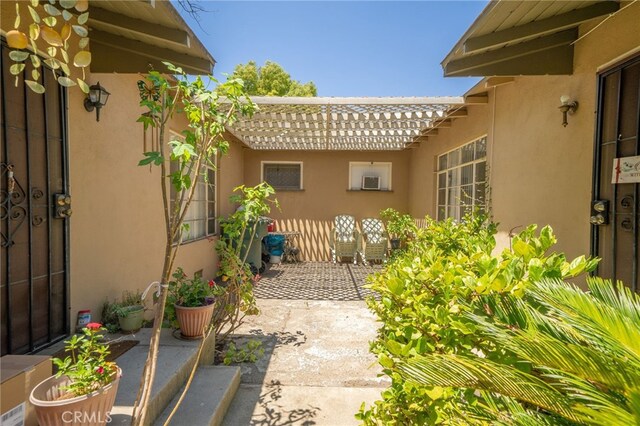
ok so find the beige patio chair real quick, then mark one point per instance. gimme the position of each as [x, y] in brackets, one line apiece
[374, 239]
[344, 238]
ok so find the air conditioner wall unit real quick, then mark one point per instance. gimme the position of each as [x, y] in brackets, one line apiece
[370, 183]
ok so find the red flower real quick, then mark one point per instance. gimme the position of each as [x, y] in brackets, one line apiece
[100, 370]
[211, 283]
[94, 326]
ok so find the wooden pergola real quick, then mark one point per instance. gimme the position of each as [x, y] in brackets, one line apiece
[328, 123]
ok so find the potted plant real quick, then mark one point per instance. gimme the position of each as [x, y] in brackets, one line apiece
[190, 303]
[83, 390]
[126, 315]
[400, 227]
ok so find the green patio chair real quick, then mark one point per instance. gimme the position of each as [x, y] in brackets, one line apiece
[344, 238]
[374, 240]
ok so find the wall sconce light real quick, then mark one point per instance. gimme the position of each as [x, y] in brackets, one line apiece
[97, 98]
[567, 107]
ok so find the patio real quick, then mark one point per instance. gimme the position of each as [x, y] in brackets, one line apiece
[315, 281]
[315, 330]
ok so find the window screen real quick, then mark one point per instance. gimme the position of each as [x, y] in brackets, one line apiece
[283, 175]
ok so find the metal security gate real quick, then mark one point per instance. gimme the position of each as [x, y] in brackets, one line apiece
[33, 213]
[615, 209]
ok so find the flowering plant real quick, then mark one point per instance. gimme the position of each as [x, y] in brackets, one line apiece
[87, 367]
[190, 292]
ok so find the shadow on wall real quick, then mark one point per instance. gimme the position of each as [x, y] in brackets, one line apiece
[313, 241]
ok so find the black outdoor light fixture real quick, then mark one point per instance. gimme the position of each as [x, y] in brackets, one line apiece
[567, 106]
[97, 98]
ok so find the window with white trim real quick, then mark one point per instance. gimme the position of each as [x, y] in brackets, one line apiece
[364, 175]
[462, 180]
[201, 214]
[283, 175]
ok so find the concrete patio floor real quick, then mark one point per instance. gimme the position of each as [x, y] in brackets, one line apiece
[315, 329]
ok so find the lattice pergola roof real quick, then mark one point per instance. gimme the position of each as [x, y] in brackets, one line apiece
[297, 123]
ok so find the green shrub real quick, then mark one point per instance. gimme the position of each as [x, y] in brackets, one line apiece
[579, 358]
[426, 293]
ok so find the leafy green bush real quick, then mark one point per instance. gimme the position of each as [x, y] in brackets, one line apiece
[399, 226]
[579, 352]
[426, 293]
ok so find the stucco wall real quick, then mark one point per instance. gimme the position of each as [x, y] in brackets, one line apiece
[325, 194]
[540, 171]
[117, 229]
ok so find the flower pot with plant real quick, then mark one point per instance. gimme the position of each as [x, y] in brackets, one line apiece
[190, 303]
[83, 390]
[130, 318]
[126, 314]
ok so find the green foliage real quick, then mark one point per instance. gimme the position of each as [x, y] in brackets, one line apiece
[251, 352]
[87, 367]
[235, 274]
[581, 353]
[208, 111]
[189, 293]
[400, 226]
[271, 80]
[426, 294]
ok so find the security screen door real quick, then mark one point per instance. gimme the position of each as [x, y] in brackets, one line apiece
[34, 209]
[616, 206]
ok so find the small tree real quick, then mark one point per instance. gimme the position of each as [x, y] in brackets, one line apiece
[207, 112]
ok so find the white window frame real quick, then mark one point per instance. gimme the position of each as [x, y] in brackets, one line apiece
[355, 177]
[458, 170]
[203, 215]
[300, 163]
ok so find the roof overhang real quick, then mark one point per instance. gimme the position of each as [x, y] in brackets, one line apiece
[131, 36]
[523, 38]
[326, 123]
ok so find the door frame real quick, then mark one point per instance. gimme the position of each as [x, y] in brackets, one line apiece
[597, 169]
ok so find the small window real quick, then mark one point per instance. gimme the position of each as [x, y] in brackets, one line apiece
[283, 176]
[462, 180]
[369, 176]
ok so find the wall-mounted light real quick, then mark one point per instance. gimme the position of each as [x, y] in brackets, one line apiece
[567, 106]
[97, 98]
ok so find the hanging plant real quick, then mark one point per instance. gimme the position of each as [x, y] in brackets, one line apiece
[56, 24]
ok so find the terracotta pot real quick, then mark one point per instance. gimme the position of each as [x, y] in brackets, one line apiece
[193, 321]
[91, 409]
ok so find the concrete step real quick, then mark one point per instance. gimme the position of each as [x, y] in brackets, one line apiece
[176, 358]
[208, 398]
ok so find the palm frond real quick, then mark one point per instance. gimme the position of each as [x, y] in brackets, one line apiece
[482, 374]
[597, 406]
[505, 411]
[586, 362]
[618, 296]
[601, 324]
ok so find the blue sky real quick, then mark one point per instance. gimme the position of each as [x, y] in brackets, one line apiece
[382, 48]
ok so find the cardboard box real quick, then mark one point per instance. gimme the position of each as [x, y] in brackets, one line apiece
[19, 374]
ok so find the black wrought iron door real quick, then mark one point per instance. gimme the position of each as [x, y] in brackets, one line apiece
[34, 209]
[616, 206]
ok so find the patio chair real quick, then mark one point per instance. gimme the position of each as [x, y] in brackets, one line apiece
[374, 238]
[344, 238]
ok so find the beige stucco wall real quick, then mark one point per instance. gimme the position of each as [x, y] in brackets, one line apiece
[230, 174]
[117, 229]
[325, 194]
[540, 171]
